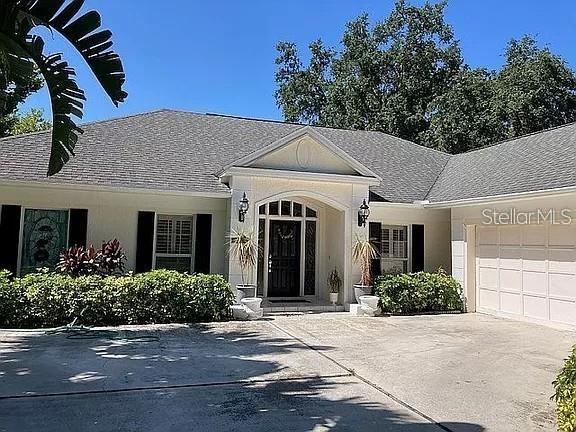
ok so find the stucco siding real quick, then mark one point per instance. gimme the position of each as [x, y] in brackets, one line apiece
[436, 230]
[115, 214]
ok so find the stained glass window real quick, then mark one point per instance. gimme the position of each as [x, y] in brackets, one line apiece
[45, 236]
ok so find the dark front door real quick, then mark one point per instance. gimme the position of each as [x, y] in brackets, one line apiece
[284, 259]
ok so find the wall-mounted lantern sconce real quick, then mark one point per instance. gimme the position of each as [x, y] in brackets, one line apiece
[243, 207]
[363, 213]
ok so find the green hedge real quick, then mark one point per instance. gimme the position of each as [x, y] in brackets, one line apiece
[419, 292]
[162, 296]
[565, 394]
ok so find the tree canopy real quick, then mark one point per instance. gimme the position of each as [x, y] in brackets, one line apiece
[406, 76]
[23, 54]
[14, 89]
[32, 121]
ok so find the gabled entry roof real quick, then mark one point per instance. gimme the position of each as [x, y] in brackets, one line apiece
[293, 143]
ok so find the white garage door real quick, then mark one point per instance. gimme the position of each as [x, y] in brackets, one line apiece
[527, 271]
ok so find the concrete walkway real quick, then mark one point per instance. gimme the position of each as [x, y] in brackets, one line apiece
[457, 373]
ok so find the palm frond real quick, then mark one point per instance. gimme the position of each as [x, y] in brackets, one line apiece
[85, 35]
[66, 99]
[363, 252]
[243, 246]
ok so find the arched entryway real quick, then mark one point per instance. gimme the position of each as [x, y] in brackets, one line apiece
[288, 237]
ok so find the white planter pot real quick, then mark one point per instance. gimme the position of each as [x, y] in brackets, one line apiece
[369, 305]
[361, 290]
[333, 298]
[252, 306]
[243, 291]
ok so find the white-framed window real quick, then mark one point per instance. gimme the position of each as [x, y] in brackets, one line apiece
[394, 249]
[174, 242]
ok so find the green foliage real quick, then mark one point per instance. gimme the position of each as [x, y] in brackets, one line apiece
[22, 53]
[32, 121]
[47, 299]
[383, 78]
[406, 76]
[14, 89]
[419, 292]
[565, 394]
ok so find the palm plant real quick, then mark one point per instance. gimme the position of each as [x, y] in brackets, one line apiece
[334, 281]
[21, 52]
[363, 253]
[243, 247]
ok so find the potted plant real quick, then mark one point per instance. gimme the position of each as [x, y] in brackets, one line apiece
[363, 253]
[334, 282]
[243, 247]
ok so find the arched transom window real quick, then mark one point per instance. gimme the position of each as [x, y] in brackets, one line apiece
[287, 209]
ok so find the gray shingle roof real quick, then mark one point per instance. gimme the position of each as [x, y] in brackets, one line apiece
[539, 161]
[181, 151]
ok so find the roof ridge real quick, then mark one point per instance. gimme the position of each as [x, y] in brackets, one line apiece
[88, 123]
[507, 140]
[324, 127]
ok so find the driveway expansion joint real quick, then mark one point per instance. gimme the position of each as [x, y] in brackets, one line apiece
[352, 372]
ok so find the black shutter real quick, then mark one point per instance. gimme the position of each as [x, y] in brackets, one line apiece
[78, 227]
[375, 234]
[9, 237]
[203, 243]
[145, 241]
[417, 248]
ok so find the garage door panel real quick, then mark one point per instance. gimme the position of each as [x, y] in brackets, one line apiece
[534, 235]
[534, 259]
[488, 277]
[562, 261]
[562, 285]
[528, 271]
[511, 303]
[536, 307]
[563, 311]
[510, 280]
[562, 235]
[511, 236]
[487, 256]
[487, 235]
[535, 283]
[511, 258]
[489, 299]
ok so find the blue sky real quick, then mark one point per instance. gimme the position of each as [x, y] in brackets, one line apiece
[218, 56]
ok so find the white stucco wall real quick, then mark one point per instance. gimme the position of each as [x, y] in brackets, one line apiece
[115, 214]
[436, 229]
[344, 198]
[465, 218]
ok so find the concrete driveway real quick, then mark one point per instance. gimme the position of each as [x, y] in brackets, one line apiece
[313, 372]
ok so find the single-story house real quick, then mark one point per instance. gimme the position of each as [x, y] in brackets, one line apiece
[170, 185]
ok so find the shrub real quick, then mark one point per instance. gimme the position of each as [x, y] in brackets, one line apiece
[81, 261]
[419, 292]
[14, 304]
[162, 296]
[565, 394]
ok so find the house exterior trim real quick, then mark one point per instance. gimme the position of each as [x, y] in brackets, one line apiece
[300, 175]
[116, 189]
[300, 133]
[505, 197]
